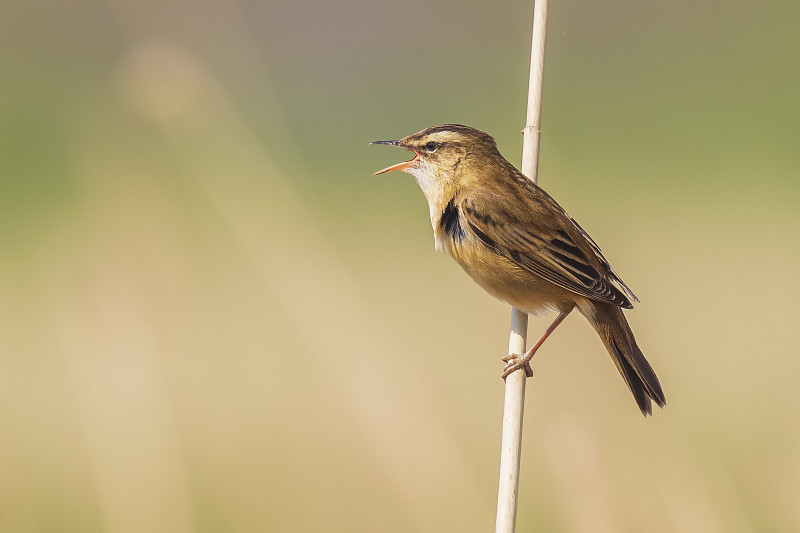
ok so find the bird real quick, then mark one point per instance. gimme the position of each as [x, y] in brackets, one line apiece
[521, 246]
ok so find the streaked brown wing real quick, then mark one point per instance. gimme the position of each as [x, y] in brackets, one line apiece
[545, 241]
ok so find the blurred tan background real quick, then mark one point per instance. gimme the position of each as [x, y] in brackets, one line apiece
[213, 318]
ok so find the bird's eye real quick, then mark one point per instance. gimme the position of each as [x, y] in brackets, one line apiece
[431, 146]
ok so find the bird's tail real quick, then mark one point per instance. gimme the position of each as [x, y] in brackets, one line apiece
[613, 328]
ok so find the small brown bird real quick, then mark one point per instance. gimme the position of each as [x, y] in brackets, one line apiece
[517, 243]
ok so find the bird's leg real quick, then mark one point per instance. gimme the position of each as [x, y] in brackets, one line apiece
[515, 362]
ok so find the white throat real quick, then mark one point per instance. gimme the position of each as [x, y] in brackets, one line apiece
[430, 183]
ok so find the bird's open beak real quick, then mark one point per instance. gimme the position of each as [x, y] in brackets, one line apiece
[404, 166]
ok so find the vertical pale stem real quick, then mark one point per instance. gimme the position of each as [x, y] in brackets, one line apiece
[532, 131]
[511, 442]
[514, 403]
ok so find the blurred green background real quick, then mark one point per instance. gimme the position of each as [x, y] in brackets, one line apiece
[213, 318]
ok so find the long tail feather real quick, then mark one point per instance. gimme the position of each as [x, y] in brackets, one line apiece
[610, 323]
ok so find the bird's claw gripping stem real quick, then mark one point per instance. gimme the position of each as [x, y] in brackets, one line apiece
[515, 361]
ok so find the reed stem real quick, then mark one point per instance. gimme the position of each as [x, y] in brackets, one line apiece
[514, 402]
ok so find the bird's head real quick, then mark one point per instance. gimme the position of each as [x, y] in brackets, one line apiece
[445, 156]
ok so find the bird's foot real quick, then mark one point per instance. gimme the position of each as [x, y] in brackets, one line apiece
[515, 361]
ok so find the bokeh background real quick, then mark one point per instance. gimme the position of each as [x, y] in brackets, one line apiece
[213, 318]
